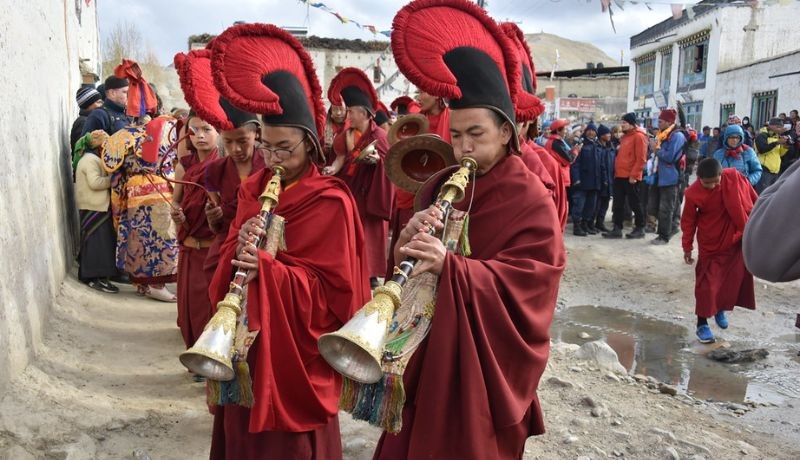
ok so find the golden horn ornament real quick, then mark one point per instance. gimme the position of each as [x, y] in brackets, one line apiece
[355, 350]
[212, 353]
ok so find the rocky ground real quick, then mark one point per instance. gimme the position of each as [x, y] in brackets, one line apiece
[106, 383]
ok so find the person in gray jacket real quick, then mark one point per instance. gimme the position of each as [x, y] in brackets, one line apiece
[770, 245]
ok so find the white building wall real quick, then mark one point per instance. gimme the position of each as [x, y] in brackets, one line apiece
[41, 45]
[738, 35]
[326, 61]
[737, 86]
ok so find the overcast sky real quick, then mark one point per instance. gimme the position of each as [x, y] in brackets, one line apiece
[167, 24]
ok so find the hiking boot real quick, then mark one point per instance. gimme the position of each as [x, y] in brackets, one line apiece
[613, 234]
[704, 334]
[659, 241]
[578, 229]
[589, 228]
[637, 233]
[601, 227]
[721, 320]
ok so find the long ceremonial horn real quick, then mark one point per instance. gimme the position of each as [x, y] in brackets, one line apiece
[212, 353]
[355, 350]
[412, 160]
[407, 126]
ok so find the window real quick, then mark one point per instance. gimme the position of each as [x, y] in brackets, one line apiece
[764, 105]
[645, 77]
[643, 115]
[694, 114]
[666, 73]
[694, 59]
[726, 110]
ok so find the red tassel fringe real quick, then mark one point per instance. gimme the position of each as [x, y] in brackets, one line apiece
[243, 54]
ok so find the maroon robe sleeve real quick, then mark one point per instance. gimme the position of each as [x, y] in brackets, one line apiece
[738, 197]
[689, 217]
[380, 197]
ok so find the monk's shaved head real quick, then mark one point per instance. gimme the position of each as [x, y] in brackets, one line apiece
[709, 168]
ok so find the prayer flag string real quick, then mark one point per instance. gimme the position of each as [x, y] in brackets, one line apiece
[345, 20]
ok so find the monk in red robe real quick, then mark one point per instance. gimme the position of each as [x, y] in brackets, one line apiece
[717, 208]
[366, 178]
[194, 306]
[223, 176]
[471, 386]
[528, 108]
[310, 288]
[438, 115]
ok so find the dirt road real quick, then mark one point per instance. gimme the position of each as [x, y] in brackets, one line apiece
[106, 383]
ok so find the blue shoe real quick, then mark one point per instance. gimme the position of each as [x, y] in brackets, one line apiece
[721, 320]
[704, 334]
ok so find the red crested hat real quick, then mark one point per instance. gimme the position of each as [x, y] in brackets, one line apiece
[351, 87]
[453, 49]
[528, 106]
[264, 69]
[194, 72]
[404, 105]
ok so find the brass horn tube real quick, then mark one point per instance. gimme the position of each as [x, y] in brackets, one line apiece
[356, 349]
[212, 354]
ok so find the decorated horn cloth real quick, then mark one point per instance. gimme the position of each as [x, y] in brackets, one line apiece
[381, 403]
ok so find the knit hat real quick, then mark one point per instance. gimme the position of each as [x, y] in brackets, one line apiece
[527, 106]
[558, 124]
[86, 96]
[602, 130]
[352, 88]
[668, 115]
[630, 118]
[591, 126]
[263, 69]
[115, 82]
[194, 73]
[453, 49]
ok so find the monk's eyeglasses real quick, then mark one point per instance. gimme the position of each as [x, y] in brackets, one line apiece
[284, 153]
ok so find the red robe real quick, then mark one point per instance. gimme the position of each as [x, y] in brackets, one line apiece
[718, 216]
[311, 288]
[534, 163]
[471, 386]
[223, 178]
[404, 201]
[373, 192]
[559, 191]
[194, 307]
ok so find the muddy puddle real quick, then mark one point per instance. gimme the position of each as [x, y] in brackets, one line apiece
[671, 354]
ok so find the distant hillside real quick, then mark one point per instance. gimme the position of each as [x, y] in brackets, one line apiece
[573, 54]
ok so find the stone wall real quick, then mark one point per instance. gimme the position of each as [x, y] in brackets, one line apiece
[41, 46]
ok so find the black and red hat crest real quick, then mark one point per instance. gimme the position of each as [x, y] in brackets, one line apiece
[404, 105]
[194, 73]
[382, 114]
[264, 69]
[528, 106]
[453, 49]
[352, 88]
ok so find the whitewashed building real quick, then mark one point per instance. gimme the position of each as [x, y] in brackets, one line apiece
[718, 59]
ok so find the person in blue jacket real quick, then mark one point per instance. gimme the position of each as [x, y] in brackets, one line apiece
[738, 155]
[670, 164]
[608, 155]
[587, 177]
